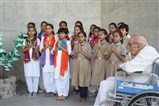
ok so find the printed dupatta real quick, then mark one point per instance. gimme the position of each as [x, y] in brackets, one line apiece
[35, 54]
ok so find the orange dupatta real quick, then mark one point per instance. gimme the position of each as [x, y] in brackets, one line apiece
[64, 61]
[50, 40]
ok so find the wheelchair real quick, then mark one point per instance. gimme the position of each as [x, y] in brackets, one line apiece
[127, 93]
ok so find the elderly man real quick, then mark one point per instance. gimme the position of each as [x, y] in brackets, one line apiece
[143, 54]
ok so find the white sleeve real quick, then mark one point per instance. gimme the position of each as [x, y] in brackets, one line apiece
[38, 42]
[136, 64]
[41, 43]
[142, 61]
[54, 47]
[69, 47]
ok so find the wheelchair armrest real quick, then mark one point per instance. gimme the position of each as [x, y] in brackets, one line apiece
[138, 72]
[120, 69]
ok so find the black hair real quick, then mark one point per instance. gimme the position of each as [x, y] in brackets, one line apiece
[96, 27]
[105, 32]
[48, 24]
[124, 26]
[79, 27]
[82, 32]
[114, 24]
[35, 35]
[120, 23]
[90, 28]
[32, 23]
[80, 24]
[43, 22]
[63, 22]
[63, 30]
[120, 34]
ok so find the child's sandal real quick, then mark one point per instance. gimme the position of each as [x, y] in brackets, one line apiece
[47, 95]
[58, 98]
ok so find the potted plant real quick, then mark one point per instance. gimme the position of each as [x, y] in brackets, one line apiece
[8, 83]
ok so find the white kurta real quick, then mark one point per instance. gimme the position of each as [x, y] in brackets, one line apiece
[62, 82]
[142, 62]
[32, 68]
[57, 68]
[48, 72]
[47, 67]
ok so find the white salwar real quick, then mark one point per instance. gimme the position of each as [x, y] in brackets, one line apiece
[141, 62]
[62, 82]
[48, 72]
[32, 71]
[41, 83]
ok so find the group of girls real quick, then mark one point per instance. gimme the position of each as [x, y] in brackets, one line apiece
[86, 60]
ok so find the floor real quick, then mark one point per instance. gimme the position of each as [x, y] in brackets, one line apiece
[21, 99]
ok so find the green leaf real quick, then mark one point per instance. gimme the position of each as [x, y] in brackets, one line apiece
[9, 65]
[7, 69]
[2, 50]
[3, 56]
[18, 45]
[10, 61]
[16, 54]
[1, 43]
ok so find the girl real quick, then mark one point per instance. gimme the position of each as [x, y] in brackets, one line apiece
[91, 32]
[80, 24]
[74, 74]
[30, 49]
[115, 53]
[61, 51]
[94, 40]
[82, 54]
[43, 30]
[74, 39]
[98, 70]
[47, 44]
[112, 28]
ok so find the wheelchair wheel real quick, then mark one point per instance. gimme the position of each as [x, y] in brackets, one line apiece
[145, 99]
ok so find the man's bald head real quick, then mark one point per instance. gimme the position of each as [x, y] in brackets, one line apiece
[137, 43]
[141, 39]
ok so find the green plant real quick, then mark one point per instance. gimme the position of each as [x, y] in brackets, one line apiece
[7, 59]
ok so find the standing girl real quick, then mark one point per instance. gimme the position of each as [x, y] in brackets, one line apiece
[90, 36]
[61, 51]
[74, 73]
[30, 49]
[112, 28]
[115, 53]
[47, 44]
[82, 55]
[98, 70]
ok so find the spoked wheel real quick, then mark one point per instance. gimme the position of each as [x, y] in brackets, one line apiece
[145, 99]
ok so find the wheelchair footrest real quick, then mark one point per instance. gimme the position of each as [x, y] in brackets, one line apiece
[134, 87]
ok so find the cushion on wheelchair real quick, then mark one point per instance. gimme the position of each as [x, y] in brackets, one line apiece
[134, 87]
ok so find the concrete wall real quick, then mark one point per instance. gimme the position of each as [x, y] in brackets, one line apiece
[141, 15]
[16, 14]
